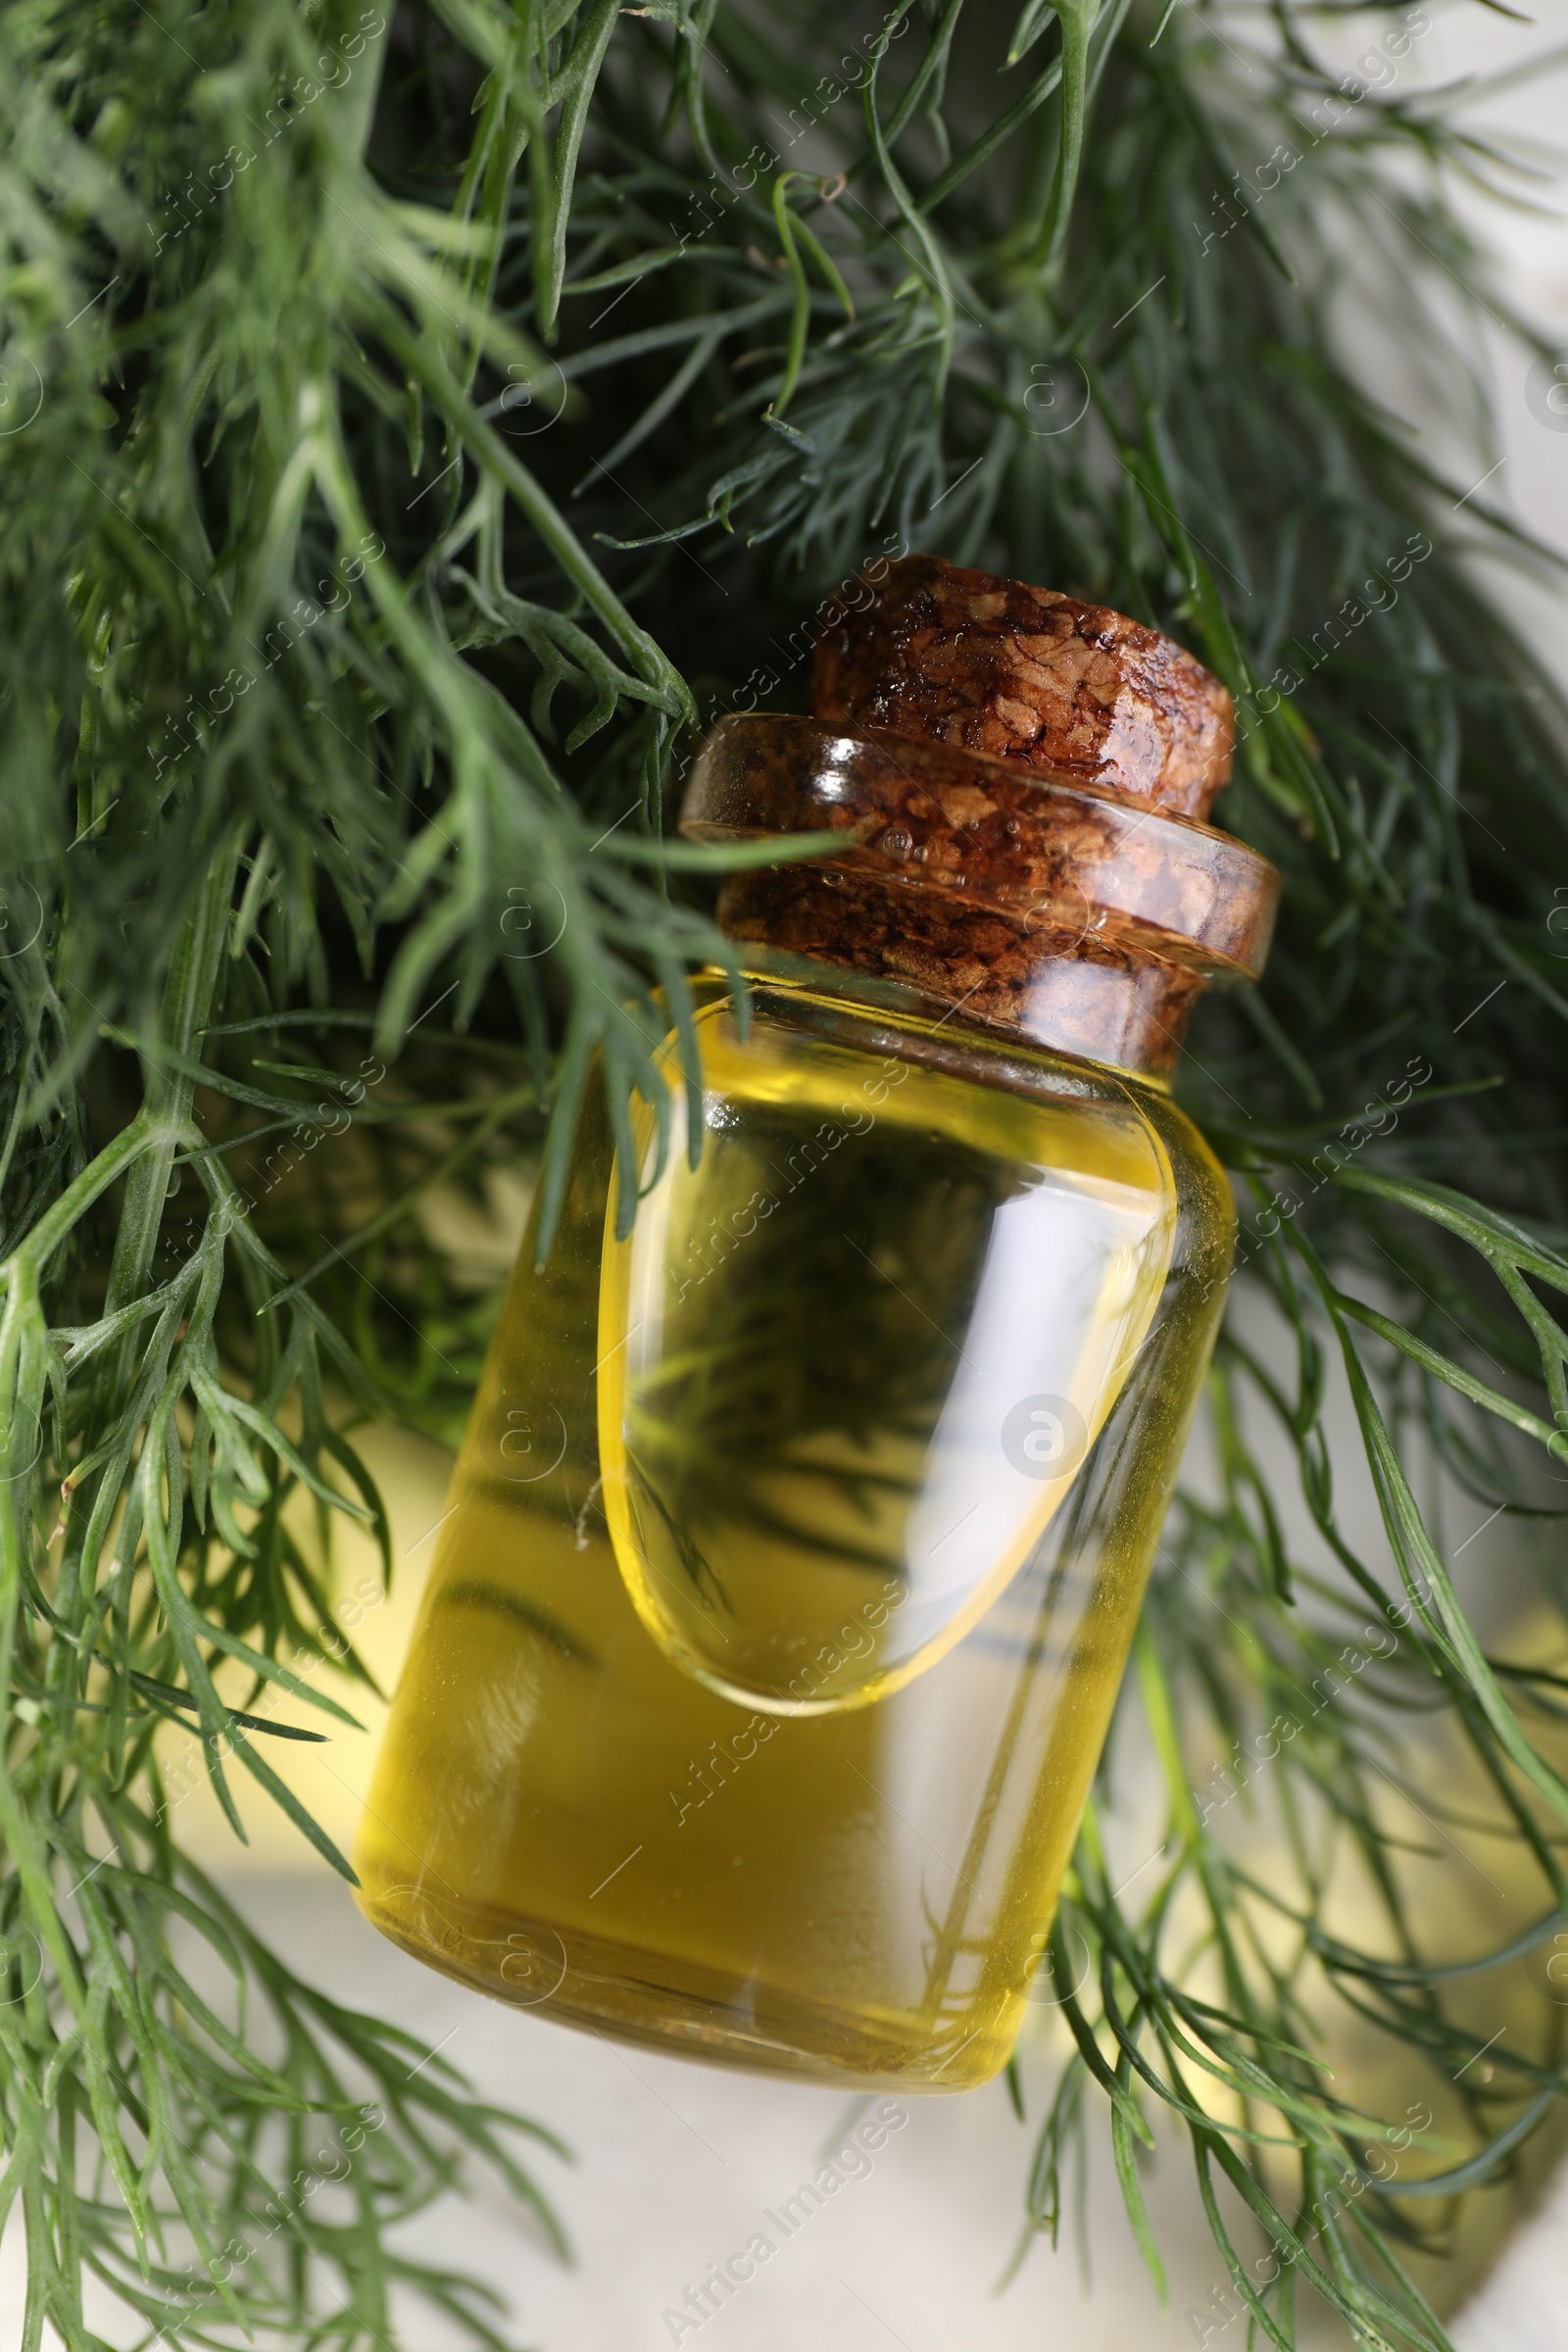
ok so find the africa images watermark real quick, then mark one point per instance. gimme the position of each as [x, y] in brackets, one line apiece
[833, 611]
[201, 191]
[1351, 2183]
[857, 67]
[1379, 71]
[850, 2161]
[857, 1636]
[1286, 1727]
[337, 1118]
[1352, 614]
[707, 1253]
[284, 2209]
[1380, 1118]
[181, 735]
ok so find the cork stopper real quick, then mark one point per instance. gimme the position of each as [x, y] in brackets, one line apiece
[1021, 673]
[1018, 782]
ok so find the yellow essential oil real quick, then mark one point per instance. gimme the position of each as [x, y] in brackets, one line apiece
[851, 1360]
[758, 1686]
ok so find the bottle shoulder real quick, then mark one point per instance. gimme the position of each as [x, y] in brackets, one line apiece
[983, 1060]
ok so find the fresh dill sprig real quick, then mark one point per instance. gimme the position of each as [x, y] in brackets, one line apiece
[414, 423]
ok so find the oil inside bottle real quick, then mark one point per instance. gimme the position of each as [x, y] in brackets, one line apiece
[850, 1361]
[564, 1816]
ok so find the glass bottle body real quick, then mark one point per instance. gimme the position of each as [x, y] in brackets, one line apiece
[796, 1548]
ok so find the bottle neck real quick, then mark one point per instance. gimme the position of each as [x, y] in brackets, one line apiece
[1071, 991]
[1045, 908]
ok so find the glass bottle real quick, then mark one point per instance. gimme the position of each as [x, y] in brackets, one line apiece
[797, 1539]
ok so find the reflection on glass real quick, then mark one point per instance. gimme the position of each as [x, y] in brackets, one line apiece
[850, 1362]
